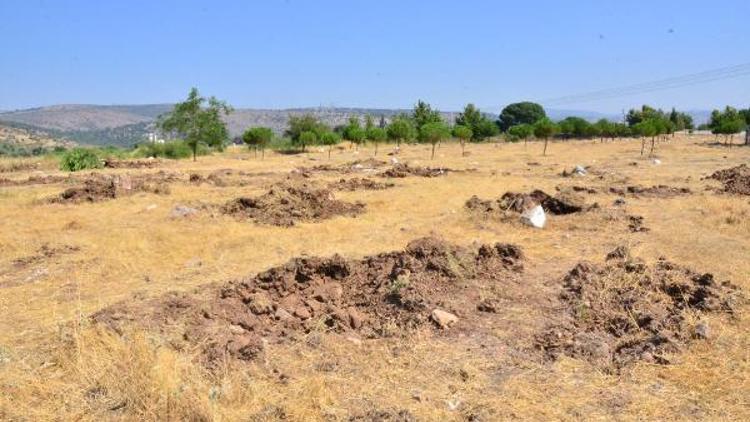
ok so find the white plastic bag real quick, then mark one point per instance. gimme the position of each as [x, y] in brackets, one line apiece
[534, 217]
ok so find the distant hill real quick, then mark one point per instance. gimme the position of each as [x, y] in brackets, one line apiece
[126, 125]
[16, 139]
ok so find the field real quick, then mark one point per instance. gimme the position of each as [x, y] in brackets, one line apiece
[176, 230]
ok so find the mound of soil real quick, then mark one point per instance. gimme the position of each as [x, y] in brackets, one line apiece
[358, 183]
[657, 191]
[98, 187]
[564, 202]
[357, 166]
[114, 163]
[404, 170]
[285, 204]
[626, 311]
[381, 295]
[736, 180]
[33, 180]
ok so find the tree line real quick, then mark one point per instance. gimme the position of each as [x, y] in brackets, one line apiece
[198, 121]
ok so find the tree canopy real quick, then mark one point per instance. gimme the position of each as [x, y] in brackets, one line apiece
[424, 114]
[197, 124]
[305, 123]
[519, 113]
[481, 127]
[401, 129]
[258, 137]
[433, 133]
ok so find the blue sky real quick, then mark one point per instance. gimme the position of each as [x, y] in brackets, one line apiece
[295, 53]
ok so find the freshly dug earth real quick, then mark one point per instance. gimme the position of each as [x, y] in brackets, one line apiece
[658, 191]
[404, 170]
[564, 202]
[382, 295]
[98, 187]
[626, 311]
[114, 163]
[285, 204]
[736, 180]
[359, 183]
[33, 180]
[357, 166]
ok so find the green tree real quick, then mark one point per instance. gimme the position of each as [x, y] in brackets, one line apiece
[523, 131]
[330, 139]
[519, 113]
[306, 138]
[545, 129]
[376, 135]
[400, 130]
[481, 127]
[304, 123]
[575, 127]
[196, 124]
[645, 129]
[463, 133]
[433, 133]
[353, 132]
[728, 123]
[646, 112]
[424, 114]
[78, 159]
[258, 138]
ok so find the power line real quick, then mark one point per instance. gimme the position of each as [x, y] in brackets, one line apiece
[729, 72]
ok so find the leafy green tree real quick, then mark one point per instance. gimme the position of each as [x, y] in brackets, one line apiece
[645, 129]
[258, 138]
[305, 123]
[306, 138]
[575, 127]
[728, 123]
[523, 131]
[330, 139]
[681, 121]
[196, 124]
[433, 133]
[400, 130]
[545, 129]
[376, 135]
[605, 129]
[424, 114]
[519, 113]
[646, 112]
[463, 133]
[481, 127]
[353, 132]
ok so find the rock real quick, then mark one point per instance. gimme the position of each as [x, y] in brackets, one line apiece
[355, 318]
[534, 217]
[656, 161]
[283, 316]
[394, 160]
[579, 170]
[302, 313]
[355, 340]
[151, 207]
[702, 331]
[259, 303]
[181, 211]
[443, 319]
[236, 329]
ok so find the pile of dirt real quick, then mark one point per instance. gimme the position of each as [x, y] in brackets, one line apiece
[736, 180]
[626, 311]
[359, 183]
[285, 204]
[405, 170]
[356, 166]
[564, 202]
[114, 163]
[657, 191]
[387, 294]
[44, 253]
[98, 187]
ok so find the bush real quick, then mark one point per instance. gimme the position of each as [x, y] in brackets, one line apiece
[80, 159]
[173, 150]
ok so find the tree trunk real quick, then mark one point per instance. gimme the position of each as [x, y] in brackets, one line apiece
[545, 146]
[463, 149]
[730, 140]
[262, 153]
[525, 140]
[376, 150]
[747, 136]
[330, 147]
[650, 154]
[433, 151]
[643, 145]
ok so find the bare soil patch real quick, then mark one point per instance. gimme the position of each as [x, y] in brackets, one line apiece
[359, 183]
[285, 204]
[624, 311]
[735, 180]
[387, 294]
[404, 170]
[656, 191]
[98, 187]
[33, 180]
[564, 202]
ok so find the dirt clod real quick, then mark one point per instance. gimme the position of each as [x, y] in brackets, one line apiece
[656, 191]
[285, 204]
[624, 311]
[564, 202]
[401, 170]
[99, 187]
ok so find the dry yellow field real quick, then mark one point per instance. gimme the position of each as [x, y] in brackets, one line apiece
[54, 365]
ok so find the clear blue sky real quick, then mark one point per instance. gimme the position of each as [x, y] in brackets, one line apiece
[295, 53]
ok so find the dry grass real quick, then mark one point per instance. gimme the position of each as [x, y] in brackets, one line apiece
[54, 366]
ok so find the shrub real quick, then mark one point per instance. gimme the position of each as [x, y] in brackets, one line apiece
[80, 159]
[173, 150]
